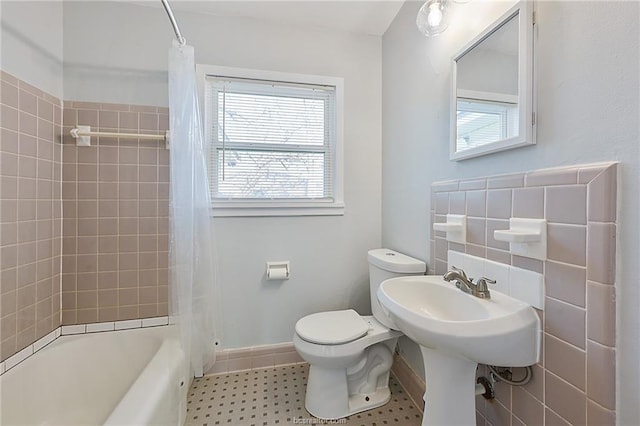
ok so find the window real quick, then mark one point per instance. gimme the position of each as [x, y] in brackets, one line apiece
[481, 121]
[274, 143]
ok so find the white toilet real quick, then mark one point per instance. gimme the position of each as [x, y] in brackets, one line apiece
[350, 355]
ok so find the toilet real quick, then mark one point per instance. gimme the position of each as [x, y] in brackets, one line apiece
[350, 355]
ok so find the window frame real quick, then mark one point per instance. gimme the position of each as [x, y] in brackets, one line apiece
[280, 207]
[504, 106]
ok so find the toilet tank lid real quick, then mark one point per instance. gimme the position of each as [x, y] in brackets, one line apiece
[392, 261]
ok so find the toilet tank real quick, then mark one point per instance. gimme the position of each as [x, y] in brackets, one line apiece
[385, 264]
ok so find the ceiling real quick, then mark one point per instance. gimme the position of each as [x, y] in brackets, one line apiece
[370, 17]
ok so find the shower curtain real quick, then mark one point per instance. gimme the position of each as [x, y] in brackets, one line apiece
[192, 286]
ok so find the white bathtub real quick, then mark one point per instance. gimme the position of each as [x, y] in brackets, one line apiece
[129, 377]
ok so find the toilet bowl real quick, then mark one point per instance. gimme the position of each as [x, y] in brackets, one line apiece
[350, 355]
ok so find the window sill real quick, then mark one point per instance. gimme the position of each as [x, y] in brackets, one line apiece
[253, 209]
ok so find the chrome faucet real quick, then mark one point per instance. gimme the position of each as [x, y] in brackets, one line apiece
[467, 285]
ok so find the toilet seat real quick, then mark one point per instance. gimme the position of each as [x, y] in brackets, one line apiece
[332, 328]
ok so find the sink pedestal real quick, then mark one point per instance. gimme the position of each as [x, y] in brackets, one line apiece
[450, 397]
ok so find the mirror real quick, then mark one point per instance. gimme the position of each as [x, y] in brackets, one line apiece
[492, 105]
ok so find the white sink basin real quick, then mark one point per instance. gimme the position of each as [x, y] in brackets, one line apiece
[434, 313]
[456, 331]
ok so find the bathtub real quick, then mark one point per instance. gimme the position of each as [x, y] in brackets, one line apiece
[128, 377]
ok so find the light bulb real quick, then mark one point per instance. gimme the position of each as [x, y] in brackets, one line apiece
[435, 14]
[432, 18]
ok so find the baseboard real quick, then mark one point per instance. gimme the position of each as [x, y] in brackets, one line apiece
[254, 358]
[409, 380]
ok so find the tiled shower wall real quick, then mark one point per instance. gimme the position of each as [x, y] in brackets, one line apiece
[574, 382]
[30, 214]
[115, 208]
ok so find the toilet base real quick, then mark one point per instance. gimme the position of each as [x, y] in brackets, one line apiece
[337, 403]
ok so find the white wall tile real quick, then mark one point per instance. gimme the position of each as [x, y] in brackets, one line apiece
[17, 358]
[455, 258]
[74, 329]
[44, 341]
[123, 325]
[527, 286]
[2, 367]
[100, 326]
[153, 322]
[498, 272]
[474, 267]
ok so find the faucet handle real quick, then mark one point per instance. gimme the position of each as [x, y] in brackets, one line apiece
[482, 284]
[486, 280]
[460, 271]
[482, 291]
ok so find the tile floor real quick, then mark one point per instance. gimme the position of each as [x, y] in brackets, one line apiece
[275, 396]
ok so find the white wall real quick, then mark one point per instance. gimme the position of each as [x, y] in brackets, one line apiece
[587, 86]
[327, 254]
[31, 43]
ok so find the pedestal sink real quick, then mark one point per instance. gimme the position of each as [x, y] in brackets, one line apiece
[456, 331]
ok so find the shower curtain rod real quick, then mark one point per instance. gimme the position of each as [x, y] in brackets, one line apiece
[174, 23]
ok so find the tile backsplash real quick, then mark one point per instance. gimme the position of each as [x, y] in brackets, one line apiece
[574, 382]
[30, 214]
[115, 208]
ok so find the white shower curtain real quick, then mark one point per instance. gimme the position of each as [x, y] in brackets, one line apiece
[192, 283]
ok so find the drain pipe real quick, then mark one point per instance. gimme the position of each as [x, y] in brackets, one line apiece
[484, 387]
[382, 352]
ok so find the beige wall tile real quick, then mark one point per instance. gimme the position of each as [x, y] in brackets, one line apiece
[601, 364]
[128, 312]
[28, 102]
[528, 203]
[476, 231]
[527, 263]
[601, 252]
[9, 94]
[598, 415]
[566, 282]
[567, 243]
[108, 119]
[566, 204]
[561, 176]
[493, 225]
[602, 196]
[128, 120]
[86, 281]
[565, 321]
[515, 180]
[149, 121]
[108, 154]
[553, 419]
[442, 203]
[88, 117]
[476, 203]
[496, 413]
[127, 262]
[475, 250]
[86, 316]
[107, 314]
[565, 361]
[457, 202]
[107, 280]
[565, 399]
[601, 313]
[499, 203]
[526, 407]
